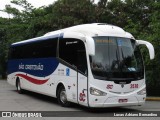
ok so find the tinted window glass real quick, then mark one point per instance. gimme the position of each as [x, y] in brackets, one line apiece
[40, 49]
[116, 58]
[72, 51]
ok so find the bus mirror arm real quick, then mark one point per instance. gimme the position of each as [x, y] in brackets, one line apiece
[149, 46]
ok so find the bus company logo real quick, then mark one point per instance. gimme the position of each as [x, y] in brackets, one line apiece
[122, 84]
[109, 86]
[82, 96]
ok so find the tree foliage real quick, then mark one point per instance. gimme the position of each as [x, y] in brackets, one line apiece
[139, 17]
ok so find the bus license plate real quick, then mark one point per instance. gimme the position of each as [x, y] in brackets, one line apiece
[123, 100]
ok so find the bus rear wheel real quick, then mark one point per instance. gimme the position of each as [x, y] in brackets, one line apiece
[18, 86]
[62, 97]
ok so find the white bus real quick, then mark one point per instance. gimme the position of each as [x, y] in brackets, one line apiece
[95, 65]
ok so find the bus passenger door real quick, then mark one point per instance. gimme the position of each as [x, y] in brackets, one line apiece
[82, 77]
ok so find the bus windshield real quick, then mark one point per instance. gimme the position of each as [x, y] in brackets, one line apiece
[116, 59]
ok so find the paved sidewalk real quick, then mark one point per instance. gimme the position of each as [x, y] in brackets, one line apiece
[149, 98]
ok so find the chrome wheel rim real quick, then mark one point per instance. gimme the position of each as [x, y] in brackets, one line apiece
[63, 96]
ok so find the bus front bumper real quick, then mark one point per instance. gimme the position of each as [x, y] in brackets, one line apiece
[118, 101]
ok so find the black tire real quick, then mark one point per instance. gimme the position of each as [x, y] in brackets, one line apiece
[62, 97]
[18, 86]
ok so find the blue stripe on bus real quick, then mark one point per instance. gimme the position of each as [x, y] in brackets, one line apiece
[40, 67]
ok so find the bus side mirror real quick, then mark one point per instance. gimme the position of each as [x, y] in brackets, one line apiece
[90, 45]
[149, 46]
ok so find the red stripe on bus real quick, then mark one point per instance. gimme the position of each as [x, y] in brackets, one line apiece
[33, 80]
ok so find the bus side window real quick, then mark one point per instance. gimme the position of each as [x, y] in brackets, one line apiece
[46, 48]
[82, 61]
[68, 50]
[73, 52]
[41, 49]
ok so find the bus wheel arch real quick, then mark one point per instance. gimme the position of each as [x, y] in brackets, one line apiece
[61, 95]
[18, 86]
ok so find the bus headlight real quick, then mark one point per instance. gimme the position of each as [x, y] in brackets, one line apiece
[97, 92]
[142, 92]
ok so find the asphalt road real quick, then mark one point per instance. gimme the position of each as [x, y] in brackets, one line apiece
[10, 100]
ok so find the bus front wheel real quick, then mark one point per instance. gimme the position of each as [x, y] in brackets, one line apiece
[62, 97]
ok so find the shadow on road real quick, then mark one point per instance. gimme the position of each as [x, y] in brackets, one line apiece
[77, 107]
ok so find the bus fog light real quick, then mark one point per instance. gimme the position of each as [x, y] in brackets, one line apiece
[142, 92]
[97, 92]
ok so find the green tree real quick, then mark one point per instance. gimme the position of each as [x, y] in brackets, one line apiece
[139, 17]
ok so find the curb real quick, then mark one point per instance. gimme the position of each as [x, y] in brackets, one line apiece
[153, 99]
